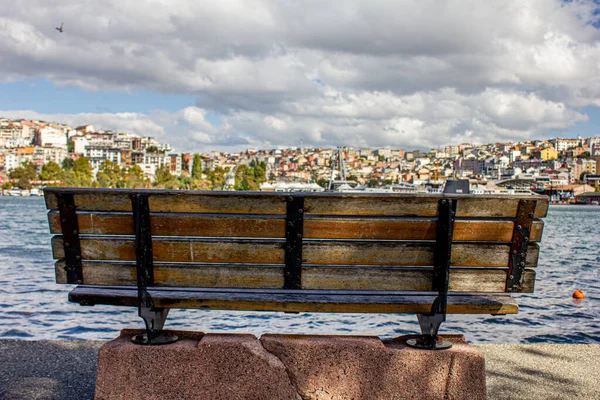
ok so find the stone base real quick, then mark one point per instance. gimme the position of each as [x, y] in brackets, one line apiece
[237, 366]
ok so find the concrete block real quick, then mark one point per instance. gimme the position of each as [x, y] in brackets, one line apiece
[285, 367]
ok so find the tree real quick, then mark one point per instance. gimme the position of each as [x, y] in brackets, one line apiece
[68, 163]
[163, 178]
[216, 177]
[133, 177]
[6, 186]
[584, 155]
[80, 174]
[109, 175]
[51, 171]
[197, 167]
[24, 174]
[152, 149]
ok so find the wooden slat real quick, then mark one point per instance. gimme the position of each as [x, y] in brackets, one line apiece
[177, 224]
[420, 205]
[314, 252]
[315, 203]
[227, 225]
[174, 201]
[492, 280]
[173, 250]
[412, 229]
[248, 300]
[409, 254]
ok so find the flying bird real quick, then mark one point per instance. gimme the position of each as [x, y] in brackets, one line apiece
[61, 27]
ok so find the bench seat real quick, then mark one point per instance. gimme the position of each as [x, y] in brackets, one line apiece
[293, 301]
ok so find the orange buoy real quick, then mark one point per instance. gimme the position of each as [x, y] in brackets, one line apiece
[578, 294]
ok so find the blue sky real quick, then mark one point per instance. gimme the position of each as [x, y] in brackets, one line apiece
[45, 97]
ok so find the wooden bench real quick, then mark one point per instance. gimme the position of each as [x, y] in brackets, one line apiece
[296, 252]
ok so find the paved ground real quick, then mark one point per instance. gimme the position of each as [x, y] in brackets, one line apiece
[66, 370]
[544, 371]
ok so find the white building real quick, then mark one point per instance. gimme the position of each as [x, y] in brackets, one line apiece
[48, 136]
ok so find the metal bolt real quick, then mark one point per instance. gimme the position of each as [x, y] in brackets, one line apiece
[523, 254]
[74, 232]
[79, 281]
[290, 199]
[526, 239]
[511, 277]
[299, 236]
[67, 245]
[300, 211]
[522, 263]
[443, 201]
[78, 257]
[515, 252]
[519, 227]
[290, 224]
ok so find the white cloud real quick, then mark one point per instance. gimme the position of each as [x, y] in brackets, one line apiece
[372, 73]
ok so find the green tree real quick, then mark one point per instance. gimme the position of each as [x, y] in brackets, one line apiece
[216, 176]
[68, 163]
[24, 174]
[81, 173]
[184, 182]
[152, 149]
[133, 177]
[109, 175]
[197, 167]
[7, 186]
[164, 179]
[584, 155]
[51, 171]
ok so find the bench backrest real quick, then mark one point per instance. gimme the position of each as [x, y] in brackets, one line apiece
[317, 241]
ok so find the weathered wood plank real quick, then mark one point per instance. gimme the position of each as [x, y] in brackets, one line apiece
[314, 251]
[173, 250]
[411, 229]
[408, 254]
[315, 203]
[248, 300]
[313, 277]
[227, 225]
[415, 205]
[177, 224]
[174, 201]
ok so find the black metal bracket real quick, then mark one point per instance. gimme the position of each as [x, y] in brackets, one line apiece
[70, 231]
[430, 323]
[294, 227]
[518, 248]
[154, 318]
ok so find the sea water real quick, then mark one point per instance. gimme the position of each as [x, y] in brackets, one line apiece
[33, 306]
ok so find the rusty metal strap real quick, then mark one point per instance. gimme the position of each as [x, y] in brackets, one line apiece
[70, 231]
[294, 227]
[518, 248]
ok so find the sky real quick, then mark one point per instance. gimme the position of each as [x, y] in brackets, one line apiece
[228, 75]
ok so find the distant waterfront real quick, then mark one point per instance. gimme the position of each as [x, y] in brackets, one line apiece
[32, 306]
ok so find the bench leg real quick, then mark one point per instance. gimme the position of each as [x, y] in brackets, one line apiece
[429, 340]
[154, 318]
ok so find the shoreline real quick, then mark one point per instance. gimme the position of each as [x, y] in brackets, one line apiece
[48, 369]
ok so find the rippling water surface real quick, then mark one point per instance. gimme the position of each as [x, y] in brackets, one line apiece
[32, 306]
